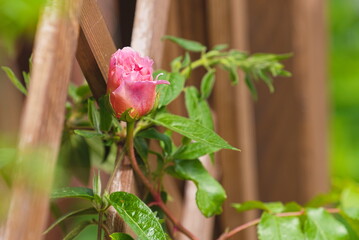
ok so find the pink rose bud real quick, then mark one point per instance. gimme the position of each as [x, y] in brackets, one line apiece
[130, 83]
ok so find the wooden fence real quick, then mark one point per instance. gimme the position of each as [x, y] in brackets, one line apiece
[282, 135]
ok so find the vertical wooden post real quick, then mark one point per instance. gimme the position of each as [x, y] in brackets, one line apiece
[291, 123]
[43, 118]
[232, 105]
[149, 26]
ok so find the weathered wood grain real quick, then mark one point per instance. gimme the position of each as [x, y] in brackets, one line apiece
[95, 48]
[42, 120]
[291, 123]
[149, 27]
[233, 106]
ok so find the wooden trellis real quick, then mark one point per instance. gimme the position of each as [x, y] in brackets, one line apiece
[70, 28]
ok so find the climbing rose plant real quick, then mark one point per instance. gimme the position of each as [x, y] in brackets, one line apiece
[128, 117]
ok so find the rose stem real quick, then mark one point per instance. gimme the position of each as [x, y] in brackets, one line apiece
[147, 183]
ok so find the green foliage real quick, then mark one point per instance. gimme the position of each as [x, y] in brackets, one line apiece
[74, 157]
[190, 129]
[88, 133]
[187, 44]
[350, 202]
[91, 131]
[207, 84]
[17, 83]
[210, 194]
[120, 236]
[322, 225]
[197, 108]
[76, 213]
[77, 230]
[73, 192]
[272, 227]
[194, 150]
[94, 115]
[138, 216]
[273, 207]
[167, 93]
[152, 133]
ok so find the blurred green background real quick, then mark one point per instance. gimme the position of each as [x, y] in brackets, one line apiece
[344, 88]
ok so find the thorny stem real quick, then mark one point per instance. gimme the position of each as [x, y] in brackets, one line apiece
[147, 183]
[254, 222]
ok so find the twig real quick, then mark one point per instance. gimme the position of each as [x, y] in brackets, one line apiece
[257, 220]
[147, 183]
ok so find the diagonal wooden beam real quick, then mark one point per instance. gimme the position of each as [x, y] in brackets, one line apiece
[95, 48]
[43, 118]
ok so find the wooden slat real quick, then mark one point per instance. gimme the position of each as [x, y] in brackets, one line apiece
[95, 48]
[232, 105]
[291, 123]
[42, 121]
[149, 26]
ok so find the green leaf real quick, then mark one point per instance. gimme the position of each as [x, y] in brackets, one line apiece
[17, 83]
[272, 227]
[73, 192]
[83, 91]
[292, 207]
[233, 75]
[198, 109]
[323, 199]
[267, 80]
[169, 92]
[138, 216]
[187, 44]
[86, 211]
[321, 225]
[249, 205]
[351, 225]
[186, 60]
[220, 47]
[191, 101]
[273, 207]
[206, 114]
[194, 151]
[207, 84]
[88, 133]
[251, 86]
[191, 129]
[94, 115]
[26, 77]
[350, 202]
[74, 156]
[154, 134]
[105, 115]
[77, 230]
[96, 184]
[120, 236]
[141, 147]
[210, 194]
[176, 64]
